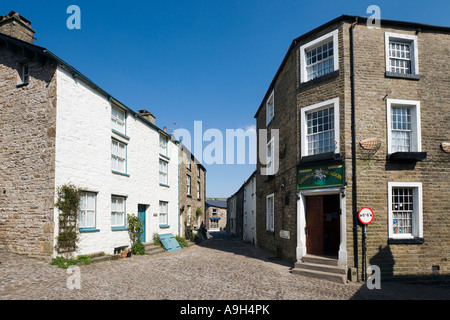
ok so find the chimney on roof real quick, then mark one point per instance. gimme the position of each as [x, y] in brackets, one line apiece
[16, 26]
[147, 115]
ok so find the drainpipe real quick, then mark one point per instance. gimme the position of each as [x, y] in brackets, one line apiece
[354, 199]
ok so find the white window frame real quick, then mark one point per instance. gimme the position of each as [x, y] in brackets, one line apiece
[163, 145]
[163, 212]
[402, 38]
[198, 190]
[188, 184]
[115, 210]
[270, 108]
[417, 215]
[24, 73]
[118, 124]
[416, 139]
[270, 166]
[163, 172]
[304, 124]
[270, 214]
[333, 35]
[118, 157]
[82, 223]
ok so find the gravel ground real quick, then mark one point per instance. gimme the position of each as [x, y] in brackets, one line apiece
[217, 269]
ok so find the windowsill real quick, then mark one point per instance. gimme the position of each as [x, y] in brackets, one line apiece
[164, 156]
[164, 226]
[406, 240]
[22, 85]
[86, 230]
[120, 173]
[321, 157]
[164, 185]
[119, 228]
[120, 134]
[389, 74]
[407, 156]
[270, 232]
[314, 81]
[189, 196]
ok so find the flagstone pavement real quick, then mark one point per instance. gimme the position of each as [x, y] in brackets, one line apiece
[220, 268]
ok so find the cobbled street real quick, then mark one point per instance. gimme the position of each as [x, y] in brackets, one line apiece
[220, 268]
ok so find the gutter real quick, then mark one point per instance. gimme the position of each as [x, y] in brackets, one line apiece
[353, 132]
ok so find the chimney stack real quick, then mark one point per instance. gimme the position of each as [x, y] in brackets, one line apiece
[147, 115]
[16, 26]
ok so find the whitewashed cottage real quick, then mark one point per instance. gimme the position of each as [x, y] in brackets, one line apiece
[58, 127]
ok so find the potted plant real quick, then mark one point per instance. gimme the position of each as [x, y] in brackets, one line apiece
[124, 253]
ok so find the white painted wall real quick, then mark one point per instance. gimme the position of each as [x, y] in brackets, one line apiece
[83, 157]
[249, 228]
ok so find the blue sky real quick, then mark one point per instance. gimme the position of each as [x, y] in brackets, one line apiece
[186, 61]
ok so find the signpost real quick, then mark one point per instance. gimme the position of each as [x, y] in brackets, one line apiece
[365, 216]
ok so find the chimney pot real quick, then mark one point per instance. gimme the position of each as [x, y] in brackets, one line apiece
[16, 26]
[147, 115]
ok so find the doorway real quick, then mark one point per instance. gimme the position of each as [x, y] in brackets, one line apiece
[142, 209]
[322, 214]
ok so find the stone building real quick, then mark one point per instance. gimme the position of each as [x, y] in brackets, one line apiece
[358, 116]
[192, 175]
[241, 211]
[216, 214]
[235, 214]
[58, 127]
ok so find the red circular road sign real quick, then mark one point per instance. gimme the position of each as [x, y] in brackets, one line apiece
[365, 215]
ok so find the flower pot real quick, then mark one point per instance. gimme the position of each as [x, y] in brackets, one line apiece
[124, 254]
[129, 254]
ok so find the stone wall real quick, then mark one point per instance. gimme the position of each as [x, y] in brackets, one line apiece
[374, 171]
[192, 200]
[27, 156]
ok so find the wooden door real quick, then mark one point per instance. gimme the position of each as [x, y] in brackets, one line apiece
[314, 225]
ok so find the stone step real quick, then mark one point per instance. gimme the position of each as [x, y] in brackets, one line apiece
[151, 248]
[321, 275]
[320, 260]
[321, 267]
[100, 259]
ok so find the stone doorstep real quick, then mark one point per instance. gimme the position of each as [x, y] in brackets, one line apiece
[151, 248]
[321, 275]
[322, 268]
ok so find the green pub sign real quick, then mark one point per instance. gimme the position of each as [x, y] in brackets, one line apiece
[323, 176]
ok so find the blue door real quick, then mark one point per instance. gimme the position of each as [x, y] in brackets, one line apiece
[142, 208]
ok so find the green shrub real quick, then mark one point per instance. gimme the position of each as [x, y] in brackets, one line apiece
[181, 241]
[65, 262]
[156, 240]
[138, 248]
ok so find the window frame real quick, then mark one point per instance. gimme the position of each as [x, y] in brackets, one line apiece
[84, 227]
[163, 146]
[123, 129]
[165, 223]
[188, 185]
[125, 159]
[122, 225]
[417, 214]
[198, 190]
[270, 216]
[304, 124]
[411, 40]
[416, 136]
[270, 158]
[166, 173]
[333, 35]
[270, 108]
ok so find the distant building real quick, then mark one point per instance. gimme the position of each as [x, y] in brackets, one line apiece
[216, 214]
